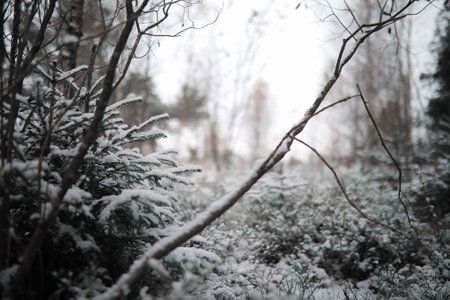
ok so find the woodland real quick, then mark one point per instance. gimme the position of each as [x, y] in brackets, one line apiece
[94, 205]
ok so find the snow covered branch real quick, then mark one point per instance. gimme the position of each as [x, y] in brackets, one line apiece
[35, 36]
[42, 229]
[219, 207]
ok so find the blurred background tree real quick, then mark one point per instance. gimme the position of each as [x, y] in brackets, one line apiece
[385, 75]
[432, 197]
[439, 107]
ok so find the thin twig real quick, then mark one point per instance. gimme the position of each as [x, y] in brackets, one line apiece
[164, 246]
[335, 103]
[350, 201]
[397, 166]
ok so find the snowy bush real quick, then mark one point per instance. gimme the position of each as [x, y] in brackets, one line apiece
[120, 204]
[432, 188]
[292, 240]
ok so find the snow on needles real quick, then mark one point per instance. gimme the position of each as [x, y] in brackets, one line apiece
[194, 226]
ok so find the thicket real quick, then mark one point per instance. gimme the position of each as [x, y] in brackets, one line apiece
[80, 205]
[120, 204]
[292, 240]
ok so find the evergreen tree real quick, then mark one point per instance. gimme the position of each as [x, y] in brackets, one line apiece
[432, 197]
[439, 107]
[190, 105]
[121, 203]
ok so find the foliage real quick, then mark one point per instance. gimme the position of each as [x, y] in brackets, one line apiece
[432, 192]
[97, 204]
[439, 107]
[292, 240]
[120, 203]
[190, 105]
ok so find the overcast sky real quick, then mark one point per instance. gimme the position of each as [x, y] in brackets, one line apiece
[292, 51]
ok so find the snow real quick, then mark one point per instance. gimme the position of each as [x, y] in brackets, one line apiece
[363, 284]
[128, 195]
[334, 292]
[158, 267]
[281, 150]
[22, 99]
[194, 253]
[75, 195]
[168, 174]
[69, 74]
[83, 244]
[132, 135]
[70, 39]
[186, 230]
[284, 148]
[7, 274]
[320, 273]
[149, 159]
[96, 85]
[285, 240]
[363, 265]
[123, 102]
[153, 120]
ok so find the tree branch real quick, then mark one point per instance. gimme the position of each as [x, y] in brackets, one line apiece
[69, 177]
[344, 192]
[397, 166]
[219, 207]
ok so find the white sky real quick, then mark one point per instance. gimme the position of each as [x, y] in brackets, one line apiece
[291, 56]
[288, 58]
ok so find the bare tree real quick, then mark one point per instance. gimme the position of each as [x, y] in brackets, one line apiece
[258, 113]
[384, 71]
[231, 71]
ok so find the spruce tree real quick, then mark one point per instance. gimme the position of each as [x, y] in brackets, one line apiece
[439, 107]
[432, 197]
[121, 203]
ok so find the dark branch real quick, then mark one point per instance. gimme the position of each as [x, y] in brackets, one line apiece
[397, 166]
[69, 177]
[344, 192]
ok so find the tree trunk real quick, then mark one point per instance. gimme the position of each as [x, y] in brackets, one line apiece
[74, 34]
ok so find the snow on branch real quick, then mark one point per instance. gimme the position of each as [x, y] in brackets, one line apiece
[219, 207]
[71, 73]
[122, 103]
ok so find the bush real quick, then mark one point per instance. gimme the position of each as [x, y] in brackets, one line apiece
[121, 202]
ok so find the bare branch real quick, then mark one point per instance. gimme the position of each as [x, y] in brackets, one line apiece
[397, 166]
[138, 39]
[88, 139]
[219, 207]
[145, 31]
[339, 19]
[344, 192]
[351, 12]
[335, 103]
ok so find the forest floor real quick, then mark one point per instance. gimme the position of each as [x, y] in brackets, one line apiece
[294, 238]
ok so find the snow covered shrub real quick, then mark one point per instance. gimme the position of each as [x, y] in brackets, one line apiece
[432, 188]
[426, 283]
[237, 239]
[120, 204]
[296, 221]
[288, 240]
[273, 214]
